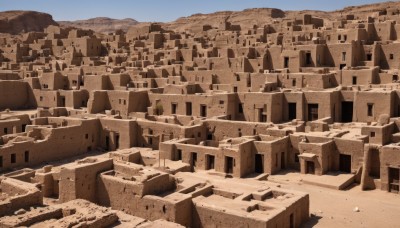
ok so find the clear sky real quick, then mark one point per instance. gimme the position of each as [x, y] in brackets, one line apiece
[162, 10]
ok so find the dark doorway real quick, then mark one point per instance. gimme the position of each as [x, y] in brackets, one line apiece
[312, 112]
[286, 62]
[370, 109]
[13, 158]
[354, 80]
[342, 66]
[62, 101]
[310, 167]
[203, 110]
[229, 165]
[283, 163]
[188, 108]
[259, 163]
[179, 155]
[375, 162]
[107, 143]
[292, 111]
[394, 180]
[26, 156]
[308, 58]
[193, 159]
[347, 112]
[117, 141]
[345, 163]
[173, 108]
[210, 162]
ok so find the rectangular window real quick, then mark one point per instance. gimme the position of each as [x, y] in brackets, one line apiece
[372, 133]
[343, 56]
[5, 131]
[391, 56]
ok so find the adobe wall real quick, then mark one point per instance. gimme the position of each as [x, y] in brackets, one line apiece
[222, 128]
[273, 151]
[388, 159]
[354, 148]
[55, 144]
[127, 130]
[270, 103]
[78, 181]
[382, 104]
[15, 95]
[19, 195]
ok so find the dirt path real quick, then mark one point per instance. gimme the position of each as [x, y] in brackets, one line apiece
[333, 208]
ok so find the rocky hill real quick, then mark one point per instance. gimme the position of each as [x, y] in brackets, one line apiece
[18, 21]
[15, 22]
[261, 16]
[101, 24]
[245, 18]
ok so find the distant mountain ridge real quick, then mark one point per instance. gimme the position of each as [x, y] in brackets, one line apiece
[261, 16]
[15, 22]
[101, 24]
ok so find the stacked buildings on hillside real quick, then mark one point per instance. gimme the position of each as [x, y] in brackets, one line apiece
[302, 95]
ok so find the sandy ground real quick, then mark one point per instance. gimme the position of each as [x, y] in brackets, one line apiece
[334, 208]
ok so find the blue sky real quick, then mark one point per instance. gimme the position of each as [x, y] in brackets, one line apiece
[162, 10]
